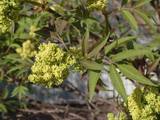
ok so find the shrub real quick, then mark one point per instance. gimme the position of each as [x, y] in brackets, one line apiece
[42, 41]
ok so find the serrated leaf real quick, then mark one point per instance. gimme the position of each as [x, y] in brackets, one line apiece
[85, 42]
[145, 18]
[92, 65]
[97, 49]
[93, 77]
[130, 18]
[140, 3]
[130, 54]
[117, 82]
[19, 91]
[132, 73]
[117, 43]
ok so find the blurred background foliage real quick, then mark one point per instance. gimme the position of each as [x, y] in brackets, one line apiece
[120, 37]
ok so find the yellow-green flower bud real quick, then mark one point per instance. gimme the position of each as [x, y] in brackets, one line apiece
[52, 65]
[32, 30]
[110, 116]
[74, 57]
[134, 104]
[121, 116]
[27, 50]
[144, 104]
[6, 9]
[97, 4]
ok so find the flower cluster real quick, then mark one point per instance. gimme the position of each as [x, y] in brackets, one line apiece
[144, 104]
[110, 116]
[97, 4]
[6, 9]
[27, 50]
[75, 53]
[52, 65]
[121, 116]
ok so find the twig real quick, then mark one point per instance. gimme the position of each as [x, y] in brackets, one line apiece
[77, 116]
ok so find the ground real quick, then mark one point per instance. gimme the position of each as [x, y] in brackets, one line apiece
[96, 110]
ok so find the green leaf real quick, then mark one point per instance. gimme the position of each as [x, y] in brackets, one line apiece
[145, 18]
[14, 45]
[124, 2]
[20, 91]
[3, 108]
[58, 9]
[132, 73]
[13, 69]
[97, 49]
[140, 3]
[154, 65]
[130, 54]
[117, 82]
[33, 2]
[1, 74]
[93, 79]
[22, 72]
[155, 44]
[117, 43]
[4, 93]
[130, 18]
[85, 42]
[92, 65]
